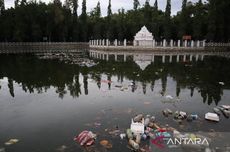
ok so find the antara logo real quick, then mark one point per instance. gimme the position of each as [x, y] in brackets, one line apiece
[162, 141]
[187, 141]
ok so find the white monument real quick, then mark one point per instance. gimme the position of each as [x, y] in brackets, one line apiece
[143, 38]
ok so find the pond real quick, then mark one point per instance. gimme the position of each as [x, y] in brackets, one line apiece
[45, 103]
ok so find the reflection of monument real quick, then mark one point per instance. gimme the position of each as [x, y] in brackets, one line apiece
[143, 38]
[142, 60]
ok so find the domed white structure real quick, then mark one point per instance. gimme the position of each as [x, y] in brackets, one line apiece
[143, 38]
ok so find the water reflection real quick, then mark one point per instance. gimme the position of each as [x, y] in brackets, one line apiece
[34, 75]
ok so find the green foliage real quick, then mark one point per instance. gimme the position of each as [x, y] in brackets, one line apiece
[2, 6]
[136, 3]
[37, 21]
[219, 20]
[156, 5]
[109, 11]
[167, 21]
[75, 6]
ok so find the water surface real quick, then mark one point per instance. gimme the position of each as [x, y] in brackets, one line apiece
[45, 103]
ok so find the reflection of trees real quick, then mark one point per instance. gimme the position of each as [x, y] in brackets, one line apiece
[39, 75]
[61, 91]
[11, 87]
[192, 91]
[85, 82]
[193, 75]
[164, 83]
[177, 90]
[211, 93]
[97, 78]
[74, 87]
[109, 81]
[152, 85]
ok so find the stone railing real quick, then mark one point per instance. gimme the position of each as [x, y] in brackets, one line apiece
[150, 43]
[211, 44]
[41, 47]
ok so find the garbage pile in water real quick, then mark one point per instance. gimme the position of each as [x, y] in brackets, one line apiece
[145, 128]
[70, 58]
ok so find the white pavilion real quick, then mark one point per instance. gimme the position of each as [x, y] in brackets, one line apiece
[143, 38]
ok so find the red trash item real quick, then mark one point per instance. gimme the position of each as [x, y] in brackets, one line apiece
[161, 130]
[106, 81]
[85, 138]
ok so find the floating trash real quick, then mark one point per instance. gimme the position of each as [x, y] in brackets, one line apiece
[106, 144]
[221, 83]
[168, 97]
[133, 144]
[122, 136]
[226, 113]
[167, 112]
[137, 127]
[212, 116]
[86, 138]
[106, 81]
[62, 148]
[97, 124]
[227, 107]
[11, 142]
[217, 110]
[138, 118]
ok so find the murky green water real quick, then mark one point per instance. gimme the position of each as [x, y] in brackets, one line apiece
[45, 103]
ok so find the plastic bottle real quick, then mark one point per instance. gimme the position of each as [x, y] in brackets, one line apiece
[133, 144]
[138, 118]
[152, 119]
[194, 116]
[129, 134]
[138, 139]
[147, 120]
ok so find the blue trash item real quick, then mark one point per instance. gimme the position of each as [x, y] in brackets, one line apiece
[166, 135]
[194, 116]
[144, 136]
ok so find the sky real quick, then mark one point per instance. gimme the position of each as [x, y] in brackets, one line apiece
[116, 4]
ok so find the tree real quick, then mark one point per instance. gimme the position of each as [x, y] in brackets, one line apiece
[167, 23]
[37, 21]
[185, 21]
[96, 22]
[67, 4]
[57, 2]
[121, 28]
[147, 14]
[199, 19]
[184, 4]
[218, 14]
[109, 34]
[136, 3]
[98, 10]
[109, 11]
[75, 6]
[16, 3]
[2, 6]
[168, 9]
[23, 2]
[84, 14]
[156, 5]
[83, 20]
[147, 3]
